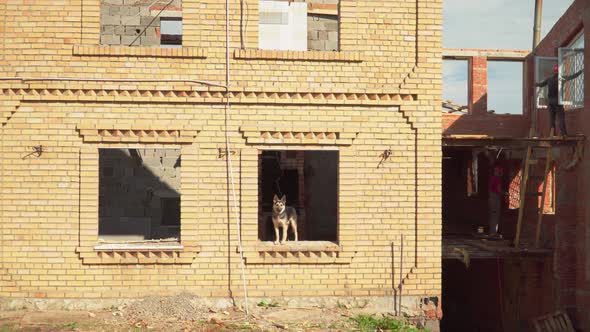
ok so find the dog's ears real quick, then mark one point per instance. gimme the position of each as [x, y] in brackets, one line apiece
[274, 199]
[284, 199]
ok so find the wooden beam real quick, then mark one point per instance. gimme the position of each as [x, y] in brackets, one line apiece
[490, 54]
[322, 9]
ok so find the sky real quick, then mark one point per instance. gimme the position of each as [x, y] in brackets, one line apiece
[495, 24]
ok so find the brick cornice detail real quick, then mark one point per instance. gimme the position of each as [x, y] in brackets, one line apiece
[97, 133]
[207, 96]
[300, 136]
[139, 52]
[298, 55]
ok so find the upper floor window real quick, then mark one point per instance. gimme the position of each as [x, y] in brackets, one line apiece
[141, 23]
[299, 25]
[543, 70]
[571, 71]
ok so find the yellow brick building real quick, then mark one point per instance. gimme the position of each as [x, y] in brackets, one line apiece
[374, 103]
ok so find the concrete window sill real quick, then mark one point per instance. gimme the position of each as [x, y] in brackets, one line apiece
[138, 247]
[322, 56]
[300, 252]
[138, 253]
[139, 52]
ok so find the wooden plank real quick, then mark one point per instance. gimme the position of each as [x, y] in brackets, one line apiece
[523, 186]
[543, 193]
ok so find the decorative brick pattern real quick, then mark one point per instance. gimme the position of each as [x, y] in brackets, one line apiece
[139, 52]
[302, 136]
[115, 134]
[330, 56]
[380, 92]
[184, 96]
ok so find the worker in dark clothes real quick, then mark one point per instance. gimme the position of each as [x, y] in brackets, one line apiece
[552, 83]
[495, 195]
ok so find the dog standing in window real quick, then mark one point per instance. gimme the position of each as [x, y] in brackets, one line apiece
[283, 216]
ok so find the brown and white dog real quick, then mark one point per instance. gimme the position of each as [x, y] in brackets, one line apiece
[283, 216]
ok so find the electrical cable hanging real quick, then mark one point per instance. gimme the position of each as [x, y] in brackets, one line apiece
[229, 161]
[152, 21]
[132, 17]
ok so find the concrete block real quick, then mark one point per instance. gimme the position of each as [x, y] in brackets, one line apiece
[129, 11]
[132, 31]
[316, 45]
[112, 2]
[145, 20]
[131, 20]
[110, 40]
[111, 10]
[331, 25]
[333, 36]
[127, 40]
[331, 45]
[151, 32]
[110, 20]
[150, 41]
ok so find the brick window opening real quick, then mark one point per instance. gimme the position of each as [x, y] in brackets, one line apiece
[141, 23]
[309, 179]
[299, 25]
[505, 80]
[171, 32]
[455, 89]
[139, 195]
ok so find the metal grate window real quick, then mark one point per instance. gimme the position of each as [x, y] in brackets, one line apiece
[571, 92]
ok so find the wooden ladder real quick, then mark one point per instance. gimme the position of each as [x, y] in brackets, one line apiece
[524, 192]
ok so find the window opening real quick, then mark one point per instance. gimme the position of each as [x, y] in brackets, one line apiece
[299, 25]
[171, 32]
[309, 179]
[139, 194]
[455, 88]
[505, 79]
[148, 23]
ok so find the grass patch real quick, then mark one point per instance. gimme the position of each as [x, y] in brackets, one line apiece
[70, 326]
[7, 328]
[367, 323]
[266, 304]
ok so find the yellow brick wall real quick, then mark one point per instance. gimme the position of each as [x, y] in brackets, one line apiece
[382, 91]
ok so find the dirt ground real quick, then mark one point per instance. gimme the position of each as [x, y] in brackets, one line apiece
[182, 313]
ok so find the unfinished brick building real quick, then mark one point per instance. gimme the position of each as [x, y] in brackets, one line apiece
[541, 266]
[140, 151]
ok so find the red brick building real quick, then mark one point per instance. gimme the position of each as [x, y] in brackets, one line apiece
[519, 283]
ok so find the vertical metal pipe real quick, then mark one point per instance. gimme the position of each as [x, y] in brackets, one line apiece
[538, 19]
[393, 278]
[401, 274]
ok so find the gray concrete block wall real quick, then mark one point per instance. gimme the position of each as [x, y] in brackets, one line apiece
[322, 32]
[123, 22]
[131, 190]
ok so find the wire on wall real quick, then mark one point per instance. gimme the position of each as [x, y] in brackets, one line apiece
[229, 159]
